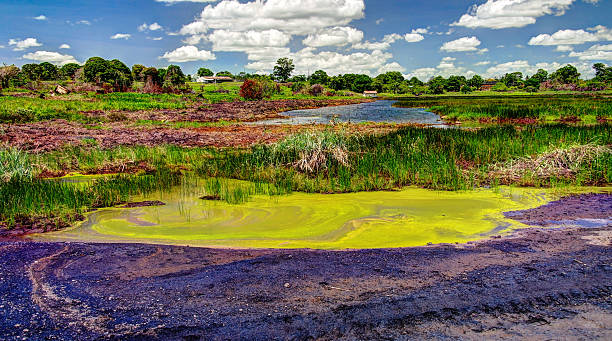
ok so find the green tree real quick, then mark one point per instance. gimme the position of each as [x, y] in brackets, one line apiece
[535, 80]
[602, 73]
[116, 73]
[283, 69]
[174, 76]
[566, 75]
[475, 82]
[513, 79]
[319, 77]
[204, 72]
[69, 70]
[224, 74]
[137, 72]
[415, 82]
[7, 73]
[436, 85]
[32, 72]
[50, 72]
[361, 83]
[454, 83]
[298, 78]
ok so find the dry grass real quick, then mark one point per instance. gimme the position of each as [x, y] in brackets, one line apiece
[560, 163]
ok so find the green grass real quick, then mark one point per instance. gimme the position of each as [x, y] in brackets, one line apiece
[315, 162]
[545, 107]
[27, 109]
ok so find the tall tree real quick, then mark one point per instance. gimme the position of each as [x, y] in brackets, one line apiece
[283, 69]
[6, 74]
[475, 82]
[174, 75]
[204, 72]
[567, 74]
[32, 72]
[137, 72]
[69, 70]
[319, 77]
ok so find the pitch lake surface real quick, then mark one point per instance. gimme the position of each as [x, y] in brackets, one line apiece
[410, 217]
[379, 111]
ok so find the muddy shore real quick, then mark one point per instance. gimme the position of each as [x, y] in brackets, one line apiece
[537, 284]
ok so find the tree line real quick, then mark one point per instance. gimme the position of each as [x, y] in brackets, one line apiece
[114, 75]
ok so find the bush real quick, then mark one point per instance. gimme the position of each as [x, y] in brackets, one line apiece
[466, 89]
[316, 90]
[500, 87]
[297, 87]
[252, 89]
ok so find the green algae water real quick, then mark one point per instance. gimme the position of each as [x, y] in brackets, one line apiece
[409, 217]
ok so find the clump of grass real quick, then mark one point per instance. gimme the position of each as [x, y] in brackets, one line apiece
[315, 149]
[14, 164]
[559, 163]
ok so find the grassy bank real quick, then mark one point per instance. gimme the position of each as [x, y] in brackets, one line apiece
[586, 108]
[319, 162]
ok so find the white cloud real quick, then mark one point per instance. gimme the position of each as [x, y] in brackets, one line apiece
[40, 17]
[573, 37]
[188, 54]
[380, 21]
[393, 66]
[125, 36]
[21, 45]
[84, 22]
[595, 52]
[413, 37]
[382, 45]
[153, 27]
[64, 46]
[299, 17]
[564, 48]
[176, 1]
[484, 62]
[308, 59]
[461, 44]
[155, 38]
[337, 36]
[446, 68]
[51, 57]
[498, 14]
[224, 40]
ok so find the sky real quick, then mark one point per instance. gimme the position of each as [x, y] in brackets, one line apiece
[418, 38]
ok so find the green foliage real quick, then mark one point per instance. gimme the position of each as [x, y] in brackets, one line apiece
[100, 71]
[204, 72]
[14, 165]
[174, 76]
[32, 71]
[224, 74]
[69, 70]
[500, 87]
[512, 79]
[7, 73]
[283, 69]
[436, 85]
[603, 73]
[137, 72]
[319, 77]
[566, 75]
[455, 83]
[475, 82]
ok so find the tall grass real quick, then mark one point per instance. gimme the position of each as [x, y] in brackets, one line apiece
[543, 107]
[452, 159]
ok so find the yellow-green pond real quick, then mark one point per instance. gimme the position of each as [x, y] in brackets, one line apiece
[409, 217]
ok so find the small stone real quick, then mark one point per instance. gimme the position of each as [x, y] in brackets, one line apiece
[287, 285]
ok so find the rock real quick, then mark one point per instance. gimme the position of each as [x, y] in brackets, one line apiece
[287, 285]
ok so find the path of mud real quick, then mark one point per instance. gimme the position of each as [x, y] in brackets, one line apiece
[537, 284]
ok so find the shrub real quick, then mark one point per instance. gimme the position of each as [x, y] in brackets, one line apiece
[466, 89]
[499, 87]
[252, 89]
[297, 87]
[316, 90]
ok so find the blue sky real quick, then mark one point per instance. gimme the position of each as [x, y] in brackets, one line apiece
[418, 38]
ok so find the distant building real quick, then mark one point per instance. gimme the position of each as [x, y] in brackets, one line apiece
[487, 85]
[213, 79]
[370, 94]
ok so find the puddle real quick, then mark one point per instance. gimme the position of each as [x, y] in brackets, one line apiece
[379, 111]
[410, 217]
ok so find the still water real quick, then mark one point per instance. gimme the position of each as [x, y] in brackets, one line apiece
[379, 111]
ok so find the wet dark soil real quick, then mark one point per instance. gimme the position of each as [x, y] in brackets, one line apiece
[586, 206]
[536, 284]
